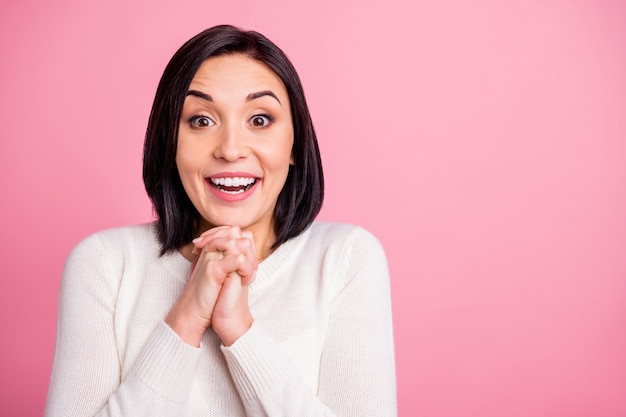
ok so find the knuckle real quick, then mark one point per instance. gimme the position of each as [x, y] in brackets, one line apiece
[244, 245]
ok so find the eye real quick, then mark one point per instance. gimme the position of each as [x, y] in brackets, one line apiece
[261, 120]
[201, 121]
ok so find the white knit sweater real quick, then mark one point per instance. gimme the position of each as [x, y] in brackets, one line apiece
[321, 343]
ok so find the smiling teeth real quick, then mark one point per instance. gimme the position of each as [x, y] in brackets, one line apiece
[233, 182]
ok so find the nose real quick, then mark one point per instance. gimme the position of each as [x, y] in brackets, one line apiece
[230, 144]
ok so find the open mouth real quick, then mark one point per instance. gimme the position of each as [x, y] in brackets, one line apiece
[232, 185]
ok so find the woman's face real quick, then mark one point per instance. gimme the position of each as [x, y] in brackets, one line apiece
[234, 143]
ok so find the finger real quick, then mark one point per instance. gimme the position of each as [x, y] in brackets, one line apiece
[240, 265]
[234, 275]
[206, 258]
[232, 231]
[208, 268]
[248, 279]
[237, 263]
[216, 239]
[213, 230]
[243, 279]
[247, 247]
[231, 247]
[227, 245]
[217, 232]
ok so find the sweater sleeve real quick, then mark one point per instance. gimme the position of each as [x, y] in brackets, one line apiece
[86, 375]
[357, 369]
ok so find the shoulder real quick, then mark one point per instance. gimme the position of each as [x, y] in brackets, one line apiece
[347, 236]
[352, 253]
[98, 262]
[341, 245]
[138, 234]
[115, 243]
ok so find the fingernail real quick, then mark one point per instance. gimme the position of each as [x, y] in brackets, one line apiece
[198, 239]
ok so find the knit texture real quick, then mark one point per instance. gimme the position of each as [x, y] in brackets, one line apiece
[321, 343]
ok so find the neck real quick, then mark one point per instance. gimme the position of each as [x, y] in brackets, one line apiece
[263, 241]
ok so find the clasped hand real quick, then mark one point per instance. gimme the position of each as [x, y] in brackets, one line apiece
[217, 292]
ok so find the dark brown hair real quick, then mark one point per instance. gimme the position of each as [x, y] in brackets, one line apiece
[301, 198]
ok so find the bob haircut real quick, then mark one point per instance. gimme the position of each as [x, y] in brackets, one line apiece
[301, 198]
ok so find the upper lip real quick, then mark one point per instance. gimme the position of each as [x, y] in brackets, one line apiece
[233, 175]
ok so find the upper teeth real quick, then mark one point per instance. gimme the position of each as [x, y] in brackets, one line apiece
[233, 181]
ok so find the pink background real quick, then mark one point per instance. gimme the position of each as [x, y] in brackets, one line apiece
[483, 142]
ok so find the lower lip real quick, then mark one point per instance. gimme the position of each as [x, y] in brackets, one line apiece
[232, 197]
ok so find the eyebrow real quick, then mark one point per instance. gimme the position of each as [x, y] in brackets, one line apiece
[254, 96]
[200, 94]
[250, 97]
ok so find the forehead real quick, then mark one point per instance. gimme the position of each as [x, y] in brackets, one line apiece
[236, 74]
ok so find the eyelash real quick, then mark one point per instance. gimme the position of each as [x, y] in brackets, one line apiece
[193, 120]
[269, 118]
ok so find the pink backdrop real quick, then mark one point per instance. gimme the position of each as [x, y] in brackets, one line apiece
[484, 143]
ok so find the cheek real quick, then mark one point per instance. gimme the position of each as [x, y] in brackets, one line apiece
[286, 156]
[187, 167]
[286, 162]
[181, 164]
[186, 157]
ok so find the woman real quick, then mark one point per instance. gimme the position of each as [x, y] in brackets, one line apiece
[234, 302]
